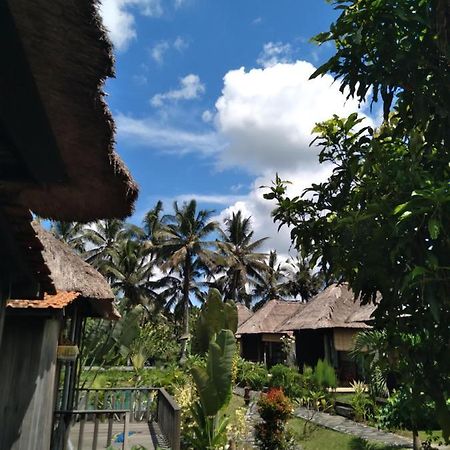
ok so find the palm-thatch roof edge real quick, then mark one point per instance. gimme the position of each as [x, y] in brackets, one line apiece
[71, 274]
[335, 307]
[268, 318]
[70, 57]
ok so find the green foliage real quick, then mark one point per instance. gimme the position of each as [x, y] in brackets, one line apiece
[208, 432]
[214, 382]
[390, 184]
[254, 375]
[372, 347]
[215, 315]
[361, 403]
[288, 379]
[325, 375]
[275, 409]
[407, 411]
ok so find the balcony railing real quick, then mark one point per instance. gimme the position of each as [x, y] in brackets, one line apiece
[123, 405]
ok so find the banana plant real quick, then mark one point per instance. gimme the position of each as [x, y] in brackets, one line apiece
[213, 384]
[215, 315]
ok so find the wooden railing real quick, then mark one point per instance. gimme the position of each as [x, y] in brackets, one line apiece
[97, 417]
[169, 418]
[146, 404]
[141, 402]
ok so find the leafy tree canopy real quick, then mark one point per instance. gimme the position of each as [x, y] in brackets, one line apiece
[380, 222]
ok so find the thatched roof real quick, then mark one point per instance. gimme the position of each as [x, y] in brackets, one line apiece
[268, 318]
[71, 274]
[244, 313]
[335, 307]
[69, 57]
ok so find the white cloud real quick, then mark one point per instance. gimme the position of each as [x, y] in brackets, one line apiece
[158, 50]
[274, 53]
[257, 20]
[215, 199]
[118, 18]
[179, 3]
[267, 115]
[180, 44]
[207, 116]
[150, 133]
[190, 89]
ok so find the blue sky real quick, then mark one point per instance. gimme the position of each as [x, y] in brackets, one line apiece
[211, 98]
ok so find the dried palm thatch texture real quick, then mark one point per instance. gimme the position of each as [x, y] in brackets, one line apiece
[335, 307]
[71, 274]
[70, 57]
[244, 313]
[270, 317]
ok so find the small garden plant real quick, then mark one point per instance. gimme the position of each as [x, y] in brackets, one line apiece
[275, 408]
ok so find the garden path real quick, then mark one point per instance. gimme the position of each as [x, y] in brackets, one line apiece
[344, 425]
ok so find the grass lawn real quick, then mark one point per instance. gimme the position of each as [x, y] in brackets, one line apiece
[321, 438]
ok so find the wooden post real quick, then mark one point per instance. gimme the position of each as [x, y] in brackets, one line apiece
[3, 300]
[95, 438]
[81, 433]
[110, 429]
[126, 427]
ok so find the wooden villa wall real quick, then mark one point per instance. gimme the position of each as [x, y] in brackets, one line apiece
[27, 364]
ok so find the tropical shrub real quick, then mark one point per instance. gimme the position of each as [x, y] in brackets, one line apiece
[361, 403]
[274, 408]
[287, 378]
[403, 410]
[325, 375]
[251, 374]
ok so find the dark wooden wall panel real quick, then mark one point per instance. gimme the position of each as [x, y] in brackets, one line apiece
[27, 377]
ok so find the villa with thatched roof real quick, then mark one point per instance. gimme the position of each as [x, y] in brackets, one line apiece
[57, 160]
[35, 331]
[259, 336]
[325, 329]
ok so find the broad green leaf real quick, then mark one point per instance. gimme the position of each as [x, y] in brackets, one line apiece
[434, 228]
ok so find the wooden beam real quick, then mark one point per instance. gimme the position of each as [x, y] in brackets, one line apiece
[22, 113]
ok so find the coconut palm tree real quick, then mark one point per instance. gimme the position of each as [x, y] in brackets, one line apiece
[72, 233]
[272, 282]
[242, 264]
[153, 221]
[183, 249]
[130, 271]
[303, 280]
[102, 237]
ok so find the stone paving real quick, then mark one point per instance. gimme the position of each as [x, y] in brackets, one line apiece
[343, 425]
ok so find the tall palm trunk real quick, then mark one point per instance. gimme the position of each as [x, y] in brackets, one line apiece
[186, 283]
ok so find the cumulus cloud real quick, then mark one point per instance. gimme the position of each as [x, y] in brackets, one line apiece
[150, 133]
[267, 115]
[274, 53]
[190, 88]
[118, 18]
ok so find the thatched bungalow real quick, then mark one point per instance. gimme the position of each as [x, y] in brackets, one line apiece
[57, 155]
[259, 336]
[35, 332]
[325, 329]
[57, 160]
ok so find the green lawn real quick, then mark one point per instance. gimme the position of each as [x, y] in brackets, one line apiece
[322, 438]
